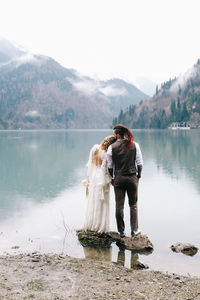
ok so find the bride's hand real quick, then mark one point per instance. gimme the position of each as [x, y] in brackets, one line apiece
[85, 183]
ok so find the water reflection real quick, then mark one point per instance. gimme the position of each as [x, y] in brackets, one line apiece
[134, 260]
[176, 152]
[105, 254]
[39, 165]
[45, 227]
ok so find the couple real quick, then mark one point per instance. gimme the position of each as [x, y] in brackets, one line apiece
[117, 161]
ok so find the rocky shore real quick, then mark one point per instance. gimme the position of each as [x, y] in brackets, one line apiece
[42, 277]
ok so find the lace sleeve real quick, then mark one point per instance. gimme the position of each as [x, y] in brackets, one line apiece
[106, 176]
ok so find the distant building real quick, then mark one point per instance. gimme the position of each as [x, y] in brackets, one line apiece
[179, 125]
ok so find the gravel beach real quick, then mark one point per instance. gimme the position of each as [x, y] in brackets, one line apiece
[42, 277]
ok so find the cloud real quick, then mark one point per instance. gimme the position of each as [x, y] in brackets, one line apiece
[29, 58]
[92, 87]
[182, 79]
[86, 86]
[32, 113]
[26, 58]
[112, 91]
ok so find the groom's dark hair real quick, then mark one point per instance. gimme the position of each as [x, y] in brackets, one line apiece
[123, 131]
[119, 131]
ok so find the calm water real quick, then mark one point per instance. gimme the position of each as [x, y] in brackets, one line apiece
[42, 200]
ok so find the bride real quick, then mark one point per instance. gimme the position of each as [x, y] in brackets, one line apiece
[98, 185]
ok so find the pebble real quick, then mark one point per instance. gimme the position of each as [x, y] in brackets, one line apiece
[139, 295]
[35, 260]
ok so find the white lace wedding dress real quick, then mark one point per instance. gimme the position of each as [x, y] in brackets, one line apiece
[97, 213]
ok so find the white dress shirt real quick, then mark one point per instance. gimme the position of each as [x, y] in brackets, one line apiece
[138, 159]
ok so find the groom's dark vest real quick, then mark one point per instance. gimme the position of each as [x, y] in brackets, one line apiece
[124, 161]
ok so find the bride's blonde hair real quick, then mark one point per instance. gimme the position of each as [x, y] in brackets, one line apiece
[107, 141]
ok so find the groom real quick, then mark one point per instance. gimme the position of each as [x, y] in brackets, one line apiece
[125, 158]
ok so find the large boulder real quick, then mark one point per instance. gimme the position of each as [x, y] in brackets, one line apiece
[94, 239]
[187, 248]
[138, 243]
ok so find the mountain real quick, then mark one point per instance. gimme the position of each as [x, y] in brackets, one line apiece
[146, 85]
[37, 92]
[8, 51]
[178, 100]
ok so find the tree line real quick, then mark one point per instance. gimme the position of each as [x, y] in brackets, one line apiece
[179, 112]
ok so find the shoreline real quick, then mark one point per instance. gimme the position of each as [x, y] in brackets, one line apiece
[53, 276]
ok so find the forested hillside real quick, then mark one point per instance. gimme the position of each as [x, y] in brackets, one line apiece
[178, 100]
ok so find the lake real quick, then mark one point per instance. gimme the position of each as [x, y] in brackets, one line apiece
[42, 200]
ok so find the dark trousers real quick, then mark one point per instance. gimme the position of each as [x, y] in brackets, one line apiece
[126, 184]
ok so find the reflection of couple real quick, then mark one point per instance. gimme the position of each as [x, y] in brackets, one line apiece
[105, 254]
[117, 160]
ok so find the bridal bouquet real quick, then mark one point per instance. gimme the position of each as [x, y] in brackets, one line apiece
[86, 184]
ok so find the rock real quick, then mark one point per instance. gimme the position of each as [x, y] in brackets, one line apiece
[138, 243]
[35, 260]
[94, 239]
[187, 249]
[139, 295]
[15, 247]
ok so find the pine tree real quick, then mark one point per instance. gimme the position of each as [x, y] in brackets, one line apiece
[178, 113]
[156, 90]
[185, 114]
[173, 111]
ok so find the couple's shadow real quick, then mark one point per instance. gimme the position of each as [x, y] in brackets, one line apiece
[105, 254]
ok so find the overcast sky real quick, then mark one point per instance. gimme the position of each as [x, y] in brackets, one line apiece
[157, 39]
